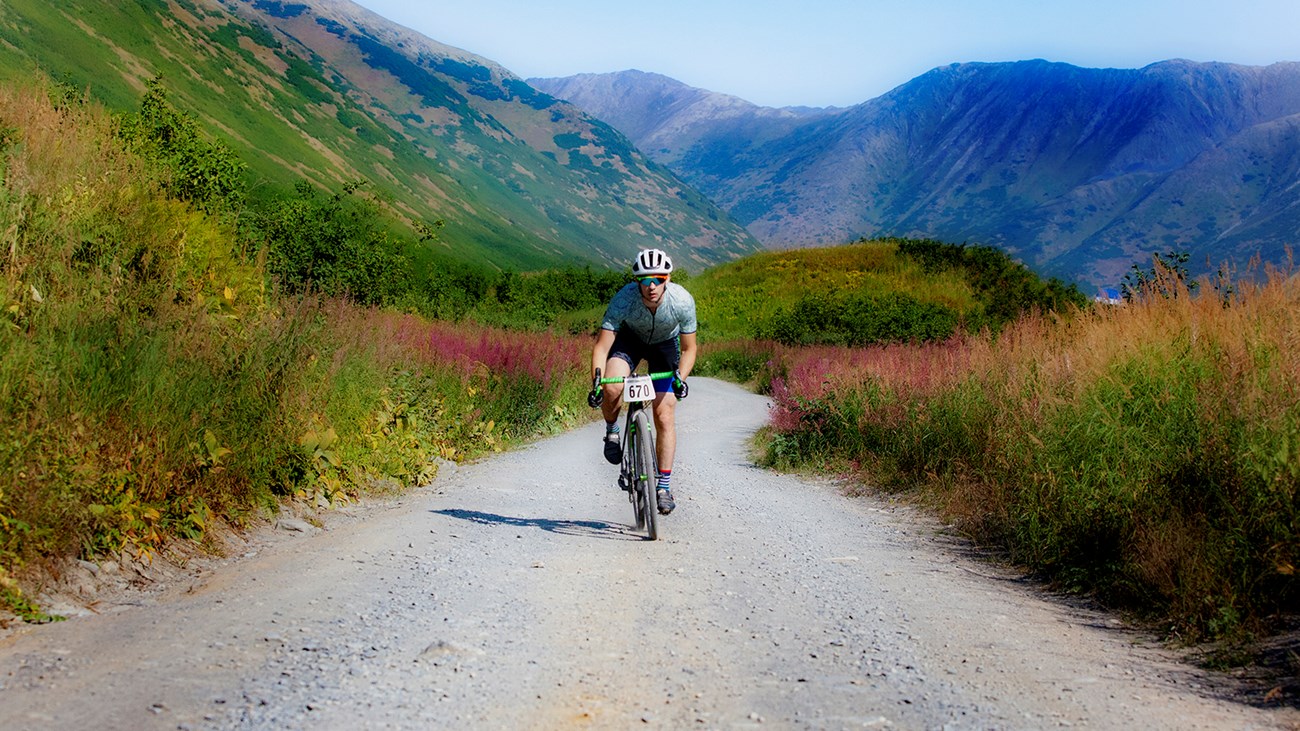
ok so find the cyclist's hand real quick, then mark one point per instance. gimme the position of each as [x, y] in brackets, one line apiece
[597, 393]
[679, 386]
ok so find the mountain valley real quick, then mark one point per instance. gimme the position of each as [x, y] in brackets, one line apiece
[1081, 173]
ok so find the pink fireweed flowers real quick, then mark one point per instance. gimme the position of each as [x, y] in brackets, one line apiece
[907, 371]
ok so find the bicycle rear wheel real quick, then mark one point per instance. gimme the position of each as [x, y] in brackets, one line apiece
[646, 473]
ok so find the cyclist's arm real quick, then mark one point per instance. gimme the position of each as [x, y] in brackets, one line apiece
[689, 351]
[600, 352]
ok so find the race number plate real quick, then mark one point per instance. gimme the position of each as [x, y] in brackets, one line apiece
[638, 388]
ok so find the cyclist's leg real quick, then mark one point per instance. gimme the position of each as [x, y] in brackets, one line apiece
[666, 429]
[624, 354]
[611, 445]
[665, 409]
[665, 357]
[615, 367]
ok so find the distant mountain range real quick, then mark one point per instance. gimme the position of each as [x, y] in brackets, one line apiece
[1078, 172]
[328, 92]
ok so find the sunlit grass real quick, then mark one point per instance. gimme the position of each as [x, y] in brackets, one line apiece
[154, 384]
[733, 298]
[1147, 453]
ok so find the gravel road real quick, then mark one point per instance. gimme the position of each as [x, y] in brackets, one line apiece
[512, 593]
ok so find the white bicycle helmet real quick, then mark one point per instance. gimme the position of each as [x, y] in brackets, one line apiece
[651, 261]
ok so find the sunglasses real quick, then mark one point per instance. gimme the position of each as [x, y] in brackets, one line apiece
[651, 281]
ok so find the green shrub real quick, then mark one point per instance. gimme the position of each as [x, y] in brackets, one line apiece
[204, 172]
[819, 319]
[1006, 288]
[739, 361]
[569, 298]
[333, 244]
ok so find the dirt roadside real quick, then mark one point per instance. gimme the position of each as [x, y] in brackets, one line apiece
[512, 593]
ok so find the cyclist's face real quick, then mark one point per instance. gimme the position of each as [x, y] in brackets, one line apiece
[652, 288]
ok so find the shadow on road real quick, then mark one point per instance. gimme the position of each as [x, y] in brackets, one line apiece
[588, 528]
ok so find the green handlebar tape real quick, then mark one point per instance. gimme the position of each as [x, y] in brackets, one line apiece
[653, 377]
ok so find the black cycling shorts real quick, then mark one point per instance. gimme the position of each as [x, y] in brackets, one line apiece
[662, 356]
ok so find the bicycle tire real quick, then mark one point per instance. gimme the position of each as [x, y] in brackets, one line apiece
[629, 469]
[647, 473]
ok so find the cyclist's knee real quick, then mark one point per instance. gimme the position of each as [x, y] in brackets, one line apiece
[665, 411]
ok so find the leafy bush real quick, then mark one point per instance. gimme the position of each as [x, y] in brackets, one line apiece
[204, 172]
[1006, 288]
[858, 320]
[569, 140]
[742, 361]
[1165, 278]
[569, 297]
[441, 287]
[333, 244]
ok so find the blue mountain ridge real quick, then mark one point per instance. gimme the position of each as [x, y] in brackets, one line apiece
[1081, 173]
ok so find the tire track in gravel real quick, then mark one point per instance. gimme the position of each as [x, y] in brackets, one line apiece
[513, 594]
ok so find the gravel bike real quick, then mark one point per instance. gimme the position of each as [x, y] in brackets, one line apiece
[638, 475]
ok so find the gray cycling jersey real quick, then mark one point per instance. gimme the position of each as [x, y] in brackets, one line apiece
[674, 316]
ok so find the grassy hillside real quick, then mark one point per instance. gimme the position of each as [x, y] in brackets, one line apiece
[926, 290]
[304, 93]
[735, 299]
[155, 384]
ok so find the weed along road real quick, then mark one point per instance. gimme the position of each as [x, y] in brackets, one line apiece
[512, 593]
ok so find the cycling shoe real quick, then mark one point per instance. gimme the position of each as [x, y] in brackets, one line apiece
[666, 503]
[613, 450]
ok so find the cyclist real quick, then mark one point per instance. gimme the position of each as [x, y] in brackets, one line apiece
[651, 319]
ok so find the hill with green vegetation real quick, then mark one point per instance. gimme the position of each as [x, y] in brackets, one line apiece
[164, 373]
[327, 94]
[887, 290]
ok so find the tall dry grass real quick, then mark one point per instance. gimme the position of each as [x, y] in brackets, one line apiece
[1149, 453]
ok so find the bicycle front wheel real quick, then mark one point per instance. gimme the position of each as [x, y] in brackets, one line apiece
[647, 473]
[631, 477]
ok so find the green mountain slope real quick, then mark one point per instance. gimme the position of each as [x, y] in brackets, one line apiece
[328, 92]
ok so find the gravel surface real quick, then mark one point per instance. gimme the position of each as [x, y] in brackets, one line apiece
[512, 593]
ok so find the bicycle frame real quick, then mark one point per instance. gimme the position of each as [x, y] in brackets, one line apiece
[639, 469]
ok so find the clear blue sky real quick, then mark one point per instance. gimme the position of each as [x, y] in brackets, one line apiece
[842, 52]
